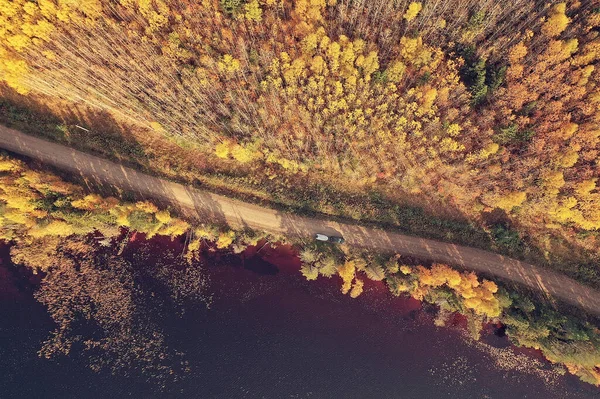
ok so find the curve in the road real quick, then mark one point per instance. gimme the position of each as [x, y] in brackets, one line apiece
[203, 205]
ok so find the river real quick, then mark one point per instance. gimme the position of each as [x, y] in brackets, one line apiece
[271, 334]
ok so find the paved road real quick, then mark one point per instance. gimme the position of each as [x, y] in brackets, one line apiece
[203, 205]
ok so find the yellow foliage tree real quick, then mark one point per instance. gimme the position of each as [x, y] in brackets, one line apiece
[347, 271]
[253, 12]
[222, 150]
[557, 21]
[229, 65]
[412, 11]
[508, 201]
[357, 288]
[225, 239]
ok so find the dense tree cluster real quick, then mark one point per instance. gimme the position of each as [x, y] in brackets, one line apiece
[545, 118]
[482, 105]
[562, 338]
[37, 209]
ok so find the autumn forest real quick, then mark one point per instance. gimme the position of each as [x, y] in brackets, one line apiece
[470, 122]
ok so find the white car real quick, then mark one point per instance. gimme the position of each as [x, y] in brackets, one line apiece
[323, 237]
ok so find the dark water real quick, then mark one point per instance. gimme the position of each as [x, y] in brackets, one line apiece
[270, 334]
